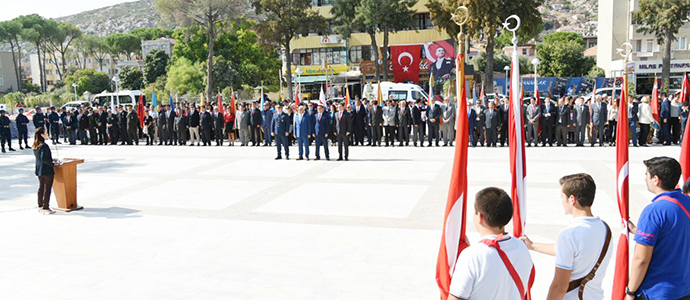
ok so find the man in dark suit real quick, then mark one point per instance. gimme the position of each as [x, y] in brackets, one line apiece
[504, 122]
[194, 120]
[599, 117]
[417, 129]
[219, 125]
[280, 131]
[665, 115]
[206, 121]
[562, 123]
[172, 133]
[548, 120]
[322, 125]
[343, 129]
[376, 123]
[480, 123]
[359, 118]
[492, 124]
[113, 127]
[633, 118]
[102, 126]
[434, 113]
[471, 122]
[257, 122]
[132, 126]
[581, 122]
[163, 130]
[403, 124]
[122, 121]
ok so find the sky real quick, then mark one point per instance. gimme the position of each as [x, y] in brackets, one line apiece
[50, 8]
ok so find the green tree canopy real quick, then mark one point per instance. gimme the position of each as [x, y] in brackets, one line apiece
[345, 23]
[10, 32]
[89, 80]
[151, 33]
[155, 65]
[561, 55]
[123, 43]
[185, 77]
[132, 78]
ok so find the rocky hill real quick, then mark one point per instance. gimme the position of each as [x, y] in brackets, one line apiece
[119, 18]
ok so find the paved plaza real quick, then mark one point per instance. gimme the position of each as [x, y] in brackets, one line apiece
[232, 223]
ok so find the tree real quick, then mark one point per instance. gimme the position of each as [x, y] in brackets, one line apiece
[148, 34]
[132, 78]
[485, 20]
[154, 65]
[123, 43]
[59, 41]
[344, 13]
[209, 14]
[390, 16]
[663, 18]
[500, 62]
[283, 20]
[89, 80]
[596, 72]
[185, 77]
[96, 48]
[34, 31]
[561, 55]
[225, 74]
[10, 32]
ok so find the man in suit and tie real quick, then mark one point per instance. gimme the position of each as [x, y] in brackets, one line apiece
[504, 109]
[478, 130]
[548, 114]
[472, 122]
[206, 121]
[303, 129]
[132, 126]
[434, 113]
[343, 129]
[163, 127]
[194, 120]
[281, 130]
[492, 123]
[267, 116]
[448, 126]
[376, 123]
[256, 120]
[404, 123]
[219, 125]
[665, 115]
[170, 117]
[389, 121]
[322, 125]
[599, 116]
[562, 123]
[581, 121]
[360, 117]
[533, 114]
[417, 128]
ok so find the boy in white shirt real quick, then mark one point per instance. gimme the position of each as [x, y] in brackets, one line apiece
[579, 247]
[499, 266]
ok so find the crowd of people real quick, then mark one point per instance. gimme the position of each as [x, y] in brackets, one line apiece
[567, 121]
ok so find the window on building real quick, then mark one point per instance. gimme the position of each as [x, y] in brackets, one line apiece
[650, 45]
[422, 21]
[680, 44]
[321, 2]
[2, 81]
[524, 51]
[637, 45]
[360, 53]
[307, 57]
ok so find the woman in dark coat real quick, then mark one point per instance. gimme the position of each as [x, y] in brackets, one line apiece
[44, 170]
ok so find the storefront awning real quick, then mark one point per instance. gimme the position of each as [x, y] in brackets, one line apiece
[309, 79]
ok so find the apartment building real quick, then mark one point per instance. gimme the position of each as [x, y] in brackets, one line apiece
[8, 78]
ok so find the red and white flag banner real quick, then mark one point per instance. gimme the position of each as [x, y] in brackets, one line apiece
[620, 279]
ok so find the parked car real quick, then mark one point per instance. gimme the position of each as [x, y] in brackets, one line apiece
[75, 104]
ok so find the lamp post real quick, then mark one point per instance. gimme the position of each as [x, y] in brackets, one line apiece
[507, 69]
[74, 85]
[299, 72]
[116, 79]
[536, 63]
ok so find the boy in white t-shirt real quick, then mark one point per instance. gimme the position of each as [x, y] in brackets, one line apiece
[482, 270]
[580, 246]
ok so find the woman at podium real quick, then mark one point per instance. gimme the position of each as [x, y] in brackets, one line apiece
[44, 170]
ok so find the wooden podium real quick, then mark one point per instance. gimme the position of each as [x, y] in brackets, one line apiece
[65, 184]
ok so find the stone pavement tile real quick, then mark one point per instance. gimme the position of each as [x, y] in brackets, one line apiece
[370, 200]
[386, 170]
[260, 168]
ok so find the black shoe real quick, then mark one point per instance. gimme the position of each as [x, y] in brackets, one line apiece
[339, 159]
[347, 159]
[277, 158]
[328, 158]
[287, 158]
[12, 149]
[21, 148]
[3, 150]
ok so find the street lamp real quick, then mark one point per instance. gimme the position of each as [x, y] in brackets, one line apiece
[536, 63]
[507, 69]
[299, 72]
[116, 79]
[74, 85]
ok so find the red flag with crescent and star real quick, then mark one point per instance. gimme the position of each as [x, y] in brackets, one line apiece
[405, 60]
[620, 277]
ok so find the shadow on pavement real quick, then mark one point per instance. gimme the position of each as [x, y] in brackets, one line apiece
[108, 213]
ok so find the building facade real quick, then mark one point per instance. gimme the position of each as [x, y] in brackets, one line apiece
[8, 76]
[108, 66]
[165, 44]
[350, 61]
[615, 27]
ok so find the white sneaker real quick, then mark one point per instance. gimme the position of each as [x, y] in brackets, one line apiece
[47, 211]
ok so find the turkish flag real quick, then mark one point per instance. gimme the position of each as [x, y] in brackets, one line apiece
[405, 60]
[620, 277]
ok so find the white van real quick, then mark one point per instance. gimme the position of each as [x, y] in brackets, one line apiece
[123, 98]
[400, 91]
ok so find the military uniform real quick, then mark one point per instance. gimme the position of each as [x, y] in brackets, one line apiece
[123, 127]
[132, 127]
[22, 129]
[113, 128]
[54, 120]
[5, 134]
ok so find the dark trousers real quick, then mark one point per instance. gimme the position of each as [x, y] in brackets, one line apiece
[433, 133]
[491, 137]
[114, 134]
[282, 141]
[547, 133]
[675, 129]
[580, 134]
[359, 134]
[376, 132]
[666, 131]
[206, 136]
[45, 184]
[162, 135]
[123, 133]
[322, 141]
[102, 135]
[72, 136]
[644, 133]
[390, 135]
[267, 138]
[133, 135]
[597, 131]
[93, 136]
[81, 134]
[478, 136]
[23, 135]
[55, 132]
[404, 134]
[182, 136]
[5, 136]
[343, 143]
[256, 134]
[504, 134]
[561, 134]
